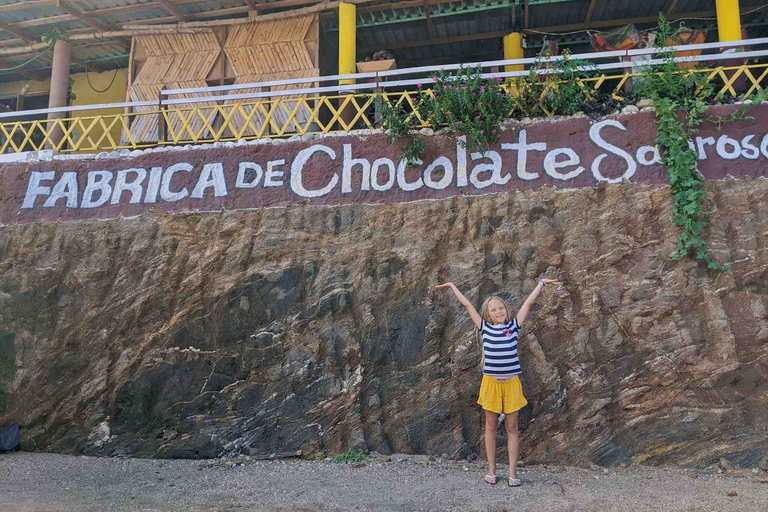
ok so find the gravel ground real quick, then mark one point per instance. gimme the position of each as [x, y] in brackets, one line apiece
[50, 482]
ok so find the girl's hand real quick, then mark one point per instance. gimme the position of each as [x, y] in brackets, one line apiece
[444, 285]
[548, 281]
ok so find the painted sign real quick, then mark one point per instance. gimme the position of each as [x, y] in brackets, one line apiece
[345, 170]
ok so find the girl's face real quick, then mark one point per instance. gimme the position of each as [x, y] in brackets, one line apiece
[497, 311]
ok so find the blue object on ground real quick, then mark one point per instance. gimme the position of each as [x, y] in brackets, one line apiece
[9, 438]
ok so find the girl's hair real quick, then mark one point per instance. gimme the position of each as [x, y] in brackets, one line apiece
[486, 314]
[484, 311]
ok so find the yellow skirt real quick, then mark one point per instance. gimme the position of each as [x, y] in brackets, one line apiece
[501, 396]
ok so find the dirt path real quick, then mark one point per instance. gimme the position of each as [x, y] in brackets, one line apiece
[49, 482]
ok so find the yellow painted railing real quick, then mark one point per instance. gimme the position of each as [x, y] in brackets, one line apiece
[279, 117]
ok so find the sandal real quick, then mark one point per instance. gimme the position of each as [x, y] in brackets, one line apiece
[490, 479]
[515, 482]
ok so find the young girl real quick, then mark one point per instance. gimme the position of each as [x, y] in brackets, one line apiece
[500, 391]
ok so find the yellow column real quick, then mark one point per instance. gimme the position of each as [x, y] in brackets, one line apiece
[728, 20]
[347, 41]
[513, 49]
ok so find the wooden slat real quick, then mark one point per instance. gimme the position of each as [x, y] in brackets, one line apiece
[63, 6]
[590, 12]
[168, 6]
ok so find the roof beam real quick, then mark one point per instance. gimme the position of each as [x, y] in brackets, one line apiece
[590, 11]
[430, 28]
[85, 18]
[672, 7]
[628, 21]
[427, 42]
[251, 5]
[17, 6]
[29, 37]
[527, 15]
[31, 75]
[168, 6]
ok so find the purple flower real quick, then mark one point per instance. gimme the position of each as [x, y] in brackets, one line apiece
[457, 137]
[494, 131]
[446, 87]
[447, 111]
[429, 112]
[482, 88]
[418, 85]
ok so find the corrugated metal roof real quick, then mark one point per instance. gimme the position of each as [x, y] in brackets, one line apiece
[377, 28]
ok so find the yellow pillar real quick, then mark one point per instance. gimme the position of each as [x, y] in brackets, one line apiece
[728, 20]
[513, 49]
[347, 41]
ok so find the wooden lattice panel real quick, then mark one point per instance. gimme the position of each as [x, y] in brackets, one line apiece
[265, 51]
[281, 112]
[176, 61]
[145, 128]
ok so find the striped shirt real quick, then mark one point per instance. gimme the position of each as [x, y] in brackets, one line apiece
[500, 348]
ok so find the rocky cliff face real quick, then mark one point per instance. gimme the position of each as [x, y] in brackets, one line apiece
[314, 328]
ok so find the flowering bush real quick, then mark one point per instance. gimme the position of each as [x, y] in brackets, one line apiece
[469, 105]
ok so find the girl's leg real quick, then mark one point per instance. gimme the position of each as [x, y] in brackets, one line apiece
[491, 424]
[513, 442]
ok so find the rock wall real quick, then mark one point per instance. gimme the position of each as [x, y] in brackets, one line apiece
[317, 328]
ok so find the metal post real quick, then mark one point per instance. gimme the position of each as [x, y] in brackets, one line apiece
[728, 20]
[347, 51]
[162, 126]
[513, 49]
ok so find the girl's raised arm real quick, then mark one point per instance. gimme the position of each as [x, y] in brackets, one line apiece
[526, 307]
[476, 318]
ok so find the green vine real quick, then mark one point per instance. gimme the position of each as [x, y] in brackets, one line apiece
[681, 99]
[50, 37]
[400, 125]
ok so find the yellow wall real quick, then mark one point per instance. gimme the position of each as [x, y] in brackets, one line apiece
[85, 95]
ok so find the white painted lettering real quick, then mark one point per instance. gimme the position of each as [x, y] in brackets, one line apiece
[404, 185]
[551, 165]
[594, 134]
[749, 150]
[723, 152]
[461, 161]
[134, 187]
[153, 186]
[655, 158]
[447, 177]
[212, 175]
[101, 186]
[390, 165]
[165, 189]
[34, 189]
[242, 173]
[701, 142]
[522, 147]
[346, 171]
[764, 145]
[494, 168]
[65, 187]
[272, 173]
[298, 165]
